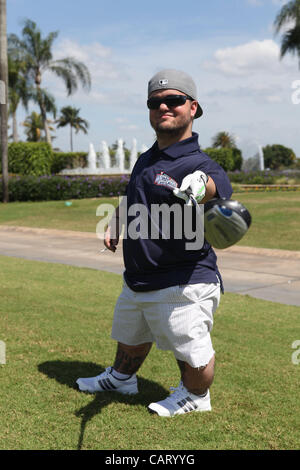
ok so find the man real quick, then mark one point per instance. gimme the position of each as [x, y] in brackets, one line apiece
[171, 289]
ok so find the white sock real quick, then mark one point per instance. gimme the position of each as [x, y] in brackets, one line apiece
[119, 375]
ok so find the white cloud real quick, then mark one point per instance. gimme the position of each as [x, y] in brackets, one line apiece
[109, 74]
[98, 58]
[274, 99]
[245, 58]
[258, 92]
[70, 48]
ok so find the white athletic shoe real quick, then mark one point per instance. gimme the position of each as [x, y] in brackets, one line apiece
[106, 382]
[179, 402]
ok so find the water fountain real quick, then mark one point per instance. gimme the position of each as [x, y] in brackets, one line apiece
[261, 158]
[133, 155]
[91, 159]
[120, 156]
[253, 156]
[104, 157]
[103, 164]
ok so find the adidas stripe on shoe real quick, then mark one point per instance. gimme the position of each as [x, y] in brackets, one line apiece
[106, 382]
[179, 402]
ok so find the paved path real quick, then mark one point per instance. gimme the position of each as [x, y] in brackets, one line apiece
[266, 274]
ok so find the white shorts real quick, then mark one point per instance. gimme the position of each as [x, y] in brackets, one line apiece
[178, 318]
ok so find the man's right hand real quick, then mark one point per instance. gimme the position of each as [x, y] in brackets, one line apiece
[196, 182]
[111, 238]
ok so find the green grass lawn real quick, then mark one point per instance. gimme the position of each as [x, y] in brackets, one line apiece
[80, 216]
[275, 217]
[56, 321]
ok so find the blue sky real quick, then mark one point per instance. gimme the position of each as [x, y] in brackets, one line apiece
[228, 46]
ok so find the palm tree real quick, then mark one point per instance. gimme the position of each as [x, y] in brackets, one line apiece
[36, 51]
[21, 90]
[18, 90]
[70, 116]
[3, 99]
[34, 127]
[289, 16]
[224, 140]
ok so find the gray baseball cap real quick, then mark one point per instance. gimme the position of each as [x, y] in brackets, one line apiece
[171, 79]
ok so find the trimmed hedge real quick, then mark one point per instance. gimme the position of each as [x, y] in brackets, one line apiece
[38, 159]
[30, 158]
[54, 188]
[69, 160]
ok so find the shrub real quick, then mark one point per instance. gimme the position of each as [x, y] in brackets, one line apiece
[265, 177]
[278, 156]
[70, 160]
[237, 159]
[47, 188]
[223, 156]
[253, 177]
[29, 158]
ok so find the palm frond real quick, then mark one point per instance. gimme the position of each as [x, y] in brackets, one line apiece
[82, 126]
[289, 12]
[49, 102]
[70, 116]
[67, 76]
[290, 42]
[72, 72]
[41, 96]
[223, 139]
[19, 84]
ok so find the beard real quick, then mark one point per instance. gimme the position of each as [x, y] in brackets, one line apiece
[176, 127]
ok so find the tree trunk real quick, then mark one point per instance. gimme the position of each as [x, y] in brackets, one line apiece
[44, 116]
[71, 138]
[15, 127]
[3, 99]
[47, 131]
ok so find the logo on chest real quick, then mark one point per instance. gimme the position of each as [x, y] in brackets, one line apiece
[162, 179]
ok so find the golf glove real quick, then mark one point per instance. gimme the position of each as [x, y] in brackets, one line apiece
[196, 183]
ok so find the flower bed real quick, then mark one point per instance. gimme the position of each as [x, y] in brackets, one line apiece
[58, 187]
[46, 188]
[264, 187]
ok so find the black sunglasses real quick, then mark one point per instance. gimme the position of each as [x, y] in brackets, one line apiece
[170, 100]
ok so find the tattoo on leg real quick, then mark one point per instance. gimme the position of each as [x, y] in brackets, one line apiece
[129, 363]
